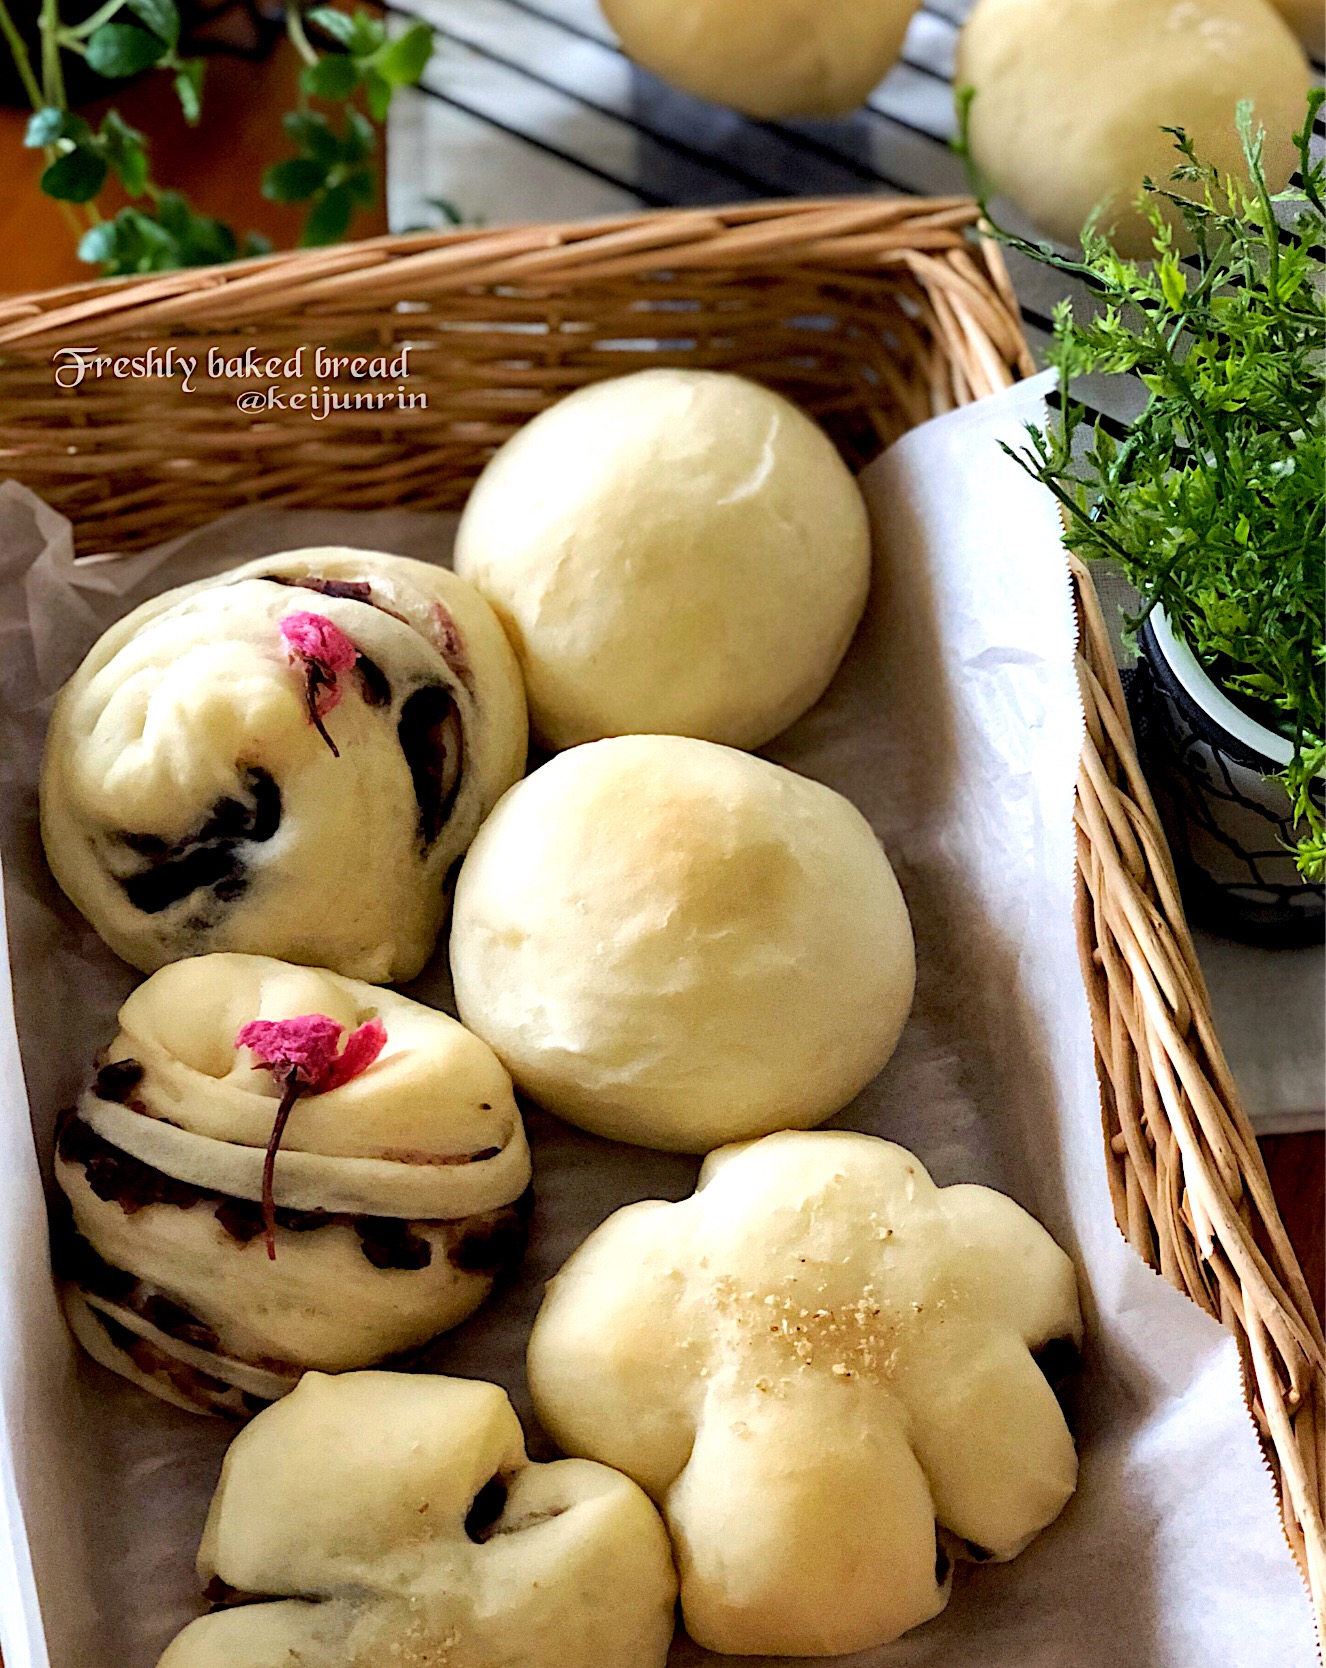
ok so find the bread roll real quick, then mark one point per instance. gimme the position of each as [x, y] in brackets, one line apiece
[1307, 18]
[781, 58]
[676, 944]
[399, 1194]
[386, 1520]
[809, 1364]
[1071, 97]
[674, 551]
[287, 759]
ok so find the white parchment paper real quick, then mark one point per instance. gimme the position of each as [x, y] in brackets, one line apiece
[955, 726]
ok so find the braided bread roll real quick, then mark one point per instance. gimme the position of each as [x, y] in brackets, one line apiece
[400, 1195]
[325, 724]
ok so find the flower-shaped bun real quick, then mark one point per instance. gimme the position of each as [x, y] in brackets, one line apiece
[287, 759]
[212, 1268]
[394, 1521]
[809, 1364]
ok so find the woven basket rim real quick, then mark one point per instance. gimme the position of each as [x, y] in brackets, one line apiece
[1189, 1186]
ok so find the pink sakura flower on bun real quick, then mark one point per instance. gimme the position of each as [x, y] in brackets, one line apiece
[324, 652]
[302, 1056]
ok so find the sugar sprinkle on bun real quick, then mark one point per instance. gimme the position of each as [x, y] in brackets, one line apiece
[811, 1364]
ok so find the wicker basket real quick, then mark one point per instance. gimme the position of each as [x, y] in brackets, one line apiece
[873, 315]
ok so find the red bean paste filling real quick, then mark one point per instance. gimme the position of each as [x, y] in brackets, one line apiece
[220, 1595]
[430, 736]
[212, 857]
[189, 1381]
[485, 1509]
[492, 1246]
[1058, 1360]
[78, 1262]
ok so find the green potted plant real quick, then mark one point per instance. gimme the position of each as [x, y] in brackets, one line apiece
[352, 66]
[1213, 503]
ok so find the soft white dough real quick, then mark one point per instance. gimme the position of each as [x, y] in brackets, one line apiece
[435, 1093]
[321, 1303]
[676, 944]
[672, 551]
[355, 1492]
[172, 741]
[809, 1364]
[780, 58]
[1071, 97]
[426, 1143]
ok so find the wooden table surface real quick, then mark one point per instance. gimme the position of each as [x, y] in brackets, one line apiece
[219, 165]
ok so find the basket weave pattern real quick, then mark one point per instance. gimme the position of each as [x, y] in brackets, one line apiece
[872, 314]
[499, 326]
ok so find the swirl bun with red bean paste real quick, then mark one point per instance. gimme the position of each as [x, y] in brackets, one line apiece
[235, 754]
[211, 1269]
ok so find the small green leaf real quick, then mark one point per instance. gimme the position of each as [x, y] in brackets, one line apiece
[119, 49]
[50, 124]
[173, 213]
[330, 218]
[1173, 285]
[362, 186]
[99, 244]
[401, 61]
[189, 88]
[140, 244]
[359, 139]
[294, 180]
[199, 240]
[312, 136]
[378, 93]
[366, 35]
[125, 150]
[161, 17]
[208, 243]
[255, 244]
[339, 25]
[75, 177]
[334, 76]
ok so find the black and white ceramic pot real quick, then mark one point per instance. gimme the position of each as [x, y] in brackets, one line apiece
[1230, 825]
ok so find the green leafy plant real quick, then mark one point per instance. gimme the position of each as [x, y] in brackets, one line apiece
[331, 170]
[1215, 502]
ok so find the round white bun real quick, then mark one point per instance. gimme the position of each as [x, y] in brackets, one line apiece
[1308, 21]
[679, 945]
[780, 58]
[1072, 95]
[678, 552]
